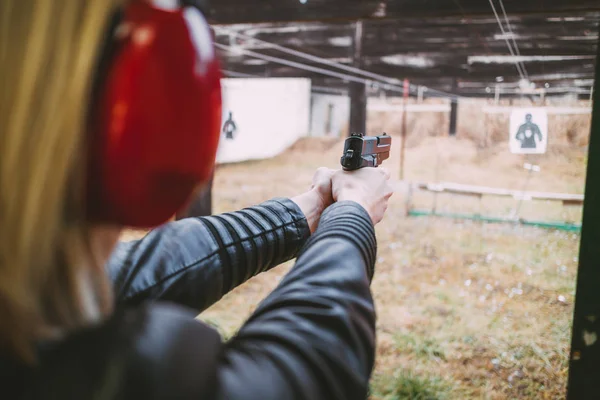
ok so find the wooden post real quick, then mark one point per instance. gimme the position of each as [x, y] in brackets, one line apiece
[543, 97]
[584, 358]
[404, 127]
[358, 91]
[453, 116]
[409, 200]
[486, 130]
[453, 110]
[497, 95]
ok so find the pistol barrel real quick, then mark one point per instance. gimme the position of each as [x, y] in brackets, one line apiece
[365, 151]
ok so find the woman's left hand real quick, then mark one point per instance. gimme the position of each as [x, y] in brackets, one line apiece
[317, 199]
[321, 184]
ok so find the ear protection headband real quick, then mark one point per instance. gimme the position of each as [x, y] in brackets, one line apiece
[156, 115]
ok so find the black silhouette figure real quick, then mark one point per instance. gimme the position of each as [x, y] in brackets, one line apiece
[527, 133]
[229, 128]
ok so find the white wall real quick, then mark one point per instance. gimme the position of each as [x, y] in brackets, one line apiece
[337, 119]
[270, 115]
[333, 112]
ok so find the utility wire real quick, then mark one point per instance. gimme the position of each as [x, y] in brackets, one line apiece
[389, 87]
[512, 35]
[317, 59]
[512, 53]
[385, 85]
[322, 71]
[305, 67]
[376, 77]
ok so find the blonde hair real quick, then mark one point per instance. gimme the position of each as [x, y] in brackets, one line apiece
[49, 50]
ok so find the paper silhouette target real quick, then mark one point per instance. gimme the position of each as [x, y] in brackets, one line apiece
[528, 131]
[229, 127]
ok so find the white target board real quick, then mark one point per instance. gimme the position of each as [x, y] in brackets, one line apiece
[528, 131]
[262, 117]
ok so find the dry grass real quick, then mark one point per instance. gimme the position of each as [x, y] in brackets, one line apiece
[465, 310]
[483, 130]
[492, 129]
[420, 125]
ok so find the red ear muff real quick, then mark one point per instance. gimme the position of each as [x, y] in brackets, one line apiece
[156, 118]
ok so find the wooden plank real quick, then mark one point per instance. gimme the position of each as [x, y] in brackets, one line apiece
[477, 191]
[549, 110]
[423, 74]
[413, 108]
[443, 44]
[573, 202]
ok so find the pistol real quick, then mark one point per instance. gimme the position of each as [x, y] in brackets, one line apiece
[365, 151]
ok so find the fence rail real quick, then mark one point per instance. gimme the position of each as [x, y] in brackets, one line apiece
[479, 191]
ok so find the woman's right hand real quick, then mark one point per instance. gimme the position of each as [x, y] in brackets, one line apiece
[369, 187]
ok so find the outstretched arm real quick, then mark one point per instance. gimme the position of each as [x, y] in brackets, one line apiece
[196, 261]
[313, 338]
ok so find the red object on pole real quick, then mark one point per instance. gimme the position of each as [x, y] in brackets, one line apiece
[404, 127]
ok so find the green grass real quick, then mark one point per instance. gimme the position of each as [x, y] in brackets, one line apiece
[420, 346]
[407, 385]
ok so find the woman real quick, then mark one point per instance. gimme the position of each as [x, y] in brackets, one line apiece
[84, 316]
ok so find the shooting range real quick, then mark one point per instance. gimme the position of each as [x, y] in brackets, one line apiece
[489, 104]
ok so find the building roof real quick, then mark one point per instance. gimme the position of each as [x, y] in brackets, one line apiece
[455, 46]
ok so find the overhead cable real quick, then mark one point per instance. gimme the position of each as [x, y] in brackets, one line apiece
[305, 67]
[324, 61]
[512, 35]
[334, 74]
[504, 34]
[338, 75]
[352, 78]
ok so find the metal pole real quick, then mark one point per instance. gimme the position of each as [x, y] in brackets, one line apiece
[404, 127]
[358, 91]
[436, 178]
[543, 97]
[486, 132]
[497, 95]
[532, 169]
[453, 111]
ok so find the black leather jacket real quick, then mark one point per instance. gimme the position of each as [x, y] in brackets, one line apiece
[312, 338]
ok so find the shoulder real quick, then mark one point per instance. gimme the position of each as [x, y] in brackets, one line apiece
[151, 352]
[172, 356]
[170, 333]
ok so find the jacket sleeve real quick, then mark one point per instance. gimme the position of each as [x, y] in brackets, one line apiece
[196, 261]
[314, 336]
